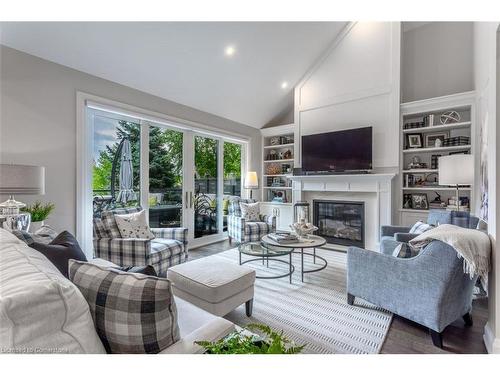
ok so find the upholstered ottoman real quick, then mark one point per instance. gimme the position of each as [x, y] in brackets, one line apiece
[213, 285]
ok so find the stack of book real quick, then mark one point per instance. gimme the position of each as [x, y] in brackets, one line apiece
[284, 238]
[461, 205]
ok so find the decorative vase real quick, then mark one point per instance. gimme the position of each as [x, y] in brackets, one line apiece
[35, 225]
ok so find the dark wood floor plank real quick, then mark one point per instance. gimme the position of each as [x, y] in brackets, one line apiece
[404, 336]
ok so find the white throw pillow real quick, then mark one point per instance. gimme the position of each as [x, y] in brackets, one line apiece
[420, 227]
[250, 211]
[134, 225]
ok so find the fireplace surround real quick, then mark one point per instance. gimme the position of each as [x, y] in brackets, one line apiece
[340, 222]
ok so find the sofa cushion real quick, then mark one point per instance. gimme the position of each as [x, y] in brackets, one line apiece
[133, 313]
[99, 228]
[420, 227]
[210, 279]
[40, 309]
[63, 248]
[257, 227]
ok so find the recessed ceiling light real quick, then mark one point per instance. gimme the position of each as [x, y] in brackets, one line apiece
[284, 85]
[230, 50]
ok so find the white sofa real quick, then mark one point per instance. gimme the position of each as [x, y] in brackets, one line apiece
[43, 312]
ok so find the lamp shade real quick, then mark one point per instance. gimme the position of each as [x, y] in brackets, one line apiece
[251, 181]
[22, 179]
[456, 169]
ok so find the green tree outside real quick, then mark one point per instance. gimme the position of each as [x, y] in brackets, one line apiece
[165, 158]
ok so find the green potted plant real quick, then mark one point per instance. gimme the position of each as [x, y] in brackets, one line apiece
[244, 342]
[38, 212]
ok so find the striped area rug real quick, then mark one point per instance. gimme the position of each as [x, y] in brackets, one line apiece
[315, 312]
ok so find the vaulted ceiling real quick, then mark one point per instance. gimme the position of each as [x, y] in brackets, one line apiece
[187, 62]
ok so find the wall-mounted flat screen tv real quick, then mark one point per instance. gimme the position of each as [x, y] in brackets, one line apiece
[340, 151]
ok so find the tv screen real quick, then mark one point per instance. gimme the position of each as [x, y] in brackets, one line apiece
[346, 150]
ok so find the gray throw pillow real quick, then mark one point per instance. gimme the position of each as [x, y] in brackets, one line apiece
[132, 313]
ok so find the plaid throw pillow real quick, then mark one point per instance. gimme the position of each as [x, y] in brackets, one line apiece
[420, 227]
[234, 206]
[404, 250]
[132, 313]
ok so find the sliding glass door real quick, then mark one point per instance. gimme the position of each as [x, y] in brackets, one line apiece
[180, 176]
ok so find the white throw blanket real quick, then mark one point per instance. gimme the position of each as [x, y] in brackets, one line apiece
[472, 245]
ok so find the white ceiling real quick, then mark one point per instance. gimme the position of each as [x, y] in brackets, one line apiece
[185, 61]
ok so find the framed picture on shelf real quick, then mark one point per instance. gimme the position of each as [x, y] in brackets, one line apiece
[419, 201]
[407, 201]
[414, 140]
[435, 139]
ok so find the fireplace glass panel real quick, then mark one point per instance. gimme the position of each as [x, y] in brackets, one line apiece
[340, 222]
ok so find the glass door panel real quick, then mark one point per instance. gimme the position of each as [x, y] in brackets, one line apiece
[165, 177]
[232, 177]
[206, 186]
[116, 162]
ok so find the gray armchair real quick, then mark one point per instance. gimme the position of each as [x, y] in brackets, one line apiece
[392, 235]
[430, 288]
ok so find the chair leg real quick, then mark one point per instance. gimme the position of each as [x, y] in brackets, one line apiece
[350, 299]
[468, 320]
[437, 338]
[249, 307]
[230, 240]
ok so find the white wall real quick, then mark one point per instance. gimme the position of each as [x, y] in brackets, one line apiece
[38, 123]
[485, 81]
[436, 60]
[355, 84]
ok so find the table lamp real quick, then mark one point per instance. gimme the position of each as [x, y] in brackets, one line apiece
[456, 170]
[251, 182]
[20, 180]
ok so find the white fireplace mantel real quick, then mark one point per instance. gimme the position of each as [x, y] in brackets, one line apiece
[377, 185]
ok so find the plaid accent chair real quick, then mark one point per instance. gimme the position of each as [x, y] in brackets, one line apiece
[240, 230]
[168, 248]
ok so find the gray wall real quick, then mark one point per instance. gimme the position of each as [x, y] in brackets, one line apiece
[436, 60]
[38, 123]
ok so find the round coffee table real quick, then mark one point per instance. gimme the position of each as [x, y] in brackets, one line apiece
[266, 253]
[311, 242]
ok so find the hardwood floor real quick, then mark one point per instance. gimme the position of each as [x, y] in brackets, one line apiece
[404, 336]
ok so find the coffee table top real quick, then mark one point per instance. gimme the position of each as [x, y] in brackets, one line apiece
[258, 250]
[310, 241]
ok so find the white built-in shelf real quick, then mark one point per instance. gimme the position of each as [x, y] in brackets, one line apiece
[277, 203]
[434, 149]
[422, 170]
[277, 175]
[437, 128]
[279, 146]
[277, 187]
[279, 161]
[437, 188]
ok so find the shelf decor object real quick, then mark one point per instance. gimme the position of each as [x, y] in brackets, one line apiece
[301, 210]
[251, 181]
[19, 180]
[456, 170]
[450, 117]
